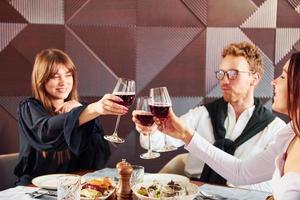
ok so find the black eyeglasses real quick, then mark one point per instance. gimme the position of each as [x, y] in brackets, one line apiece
[231, 74]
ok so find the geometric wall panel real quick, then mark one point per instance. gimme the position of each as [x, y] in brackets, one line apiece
[115, 46]
[258, 2]
[199, 8]
[41, 37]
[9, 14]
[106, 12]
[92, 72]
[263, 38]
[264, 88]
[285, 39]
[8, 32]
[72, 7]
[295, 4]
[38, 12]
[153, 56]
[183, 104]
[10, 104]
[229, 13]
[9, 142]
[287, 15]
[263, 17]
[168, 13]
[15, 72]
[189, 65]
[185, 73]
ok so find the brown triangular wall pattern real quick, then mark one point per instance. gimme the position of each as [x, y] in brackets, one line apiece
[9, 14]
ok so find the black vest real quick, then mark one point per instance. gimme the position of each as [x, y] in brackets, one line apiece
[217, 110]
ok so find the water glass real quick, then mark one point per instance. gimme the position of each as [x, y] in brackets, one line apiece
[137, 175]
[69, 187]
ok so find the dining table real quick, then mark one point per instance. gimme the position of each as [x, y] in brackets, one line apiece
[206, 191]
[113, 196]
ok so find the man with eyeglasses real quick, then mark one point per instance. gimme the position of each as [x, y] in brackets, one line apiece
[237, 123]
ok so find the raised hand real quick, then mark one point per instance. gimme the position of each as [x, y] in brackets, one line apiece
[67, 106]
[108, 105]
[174, 127]
[145, 130]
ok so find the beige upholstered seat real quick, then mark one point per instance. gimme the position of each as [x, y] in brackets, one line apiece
[7, 166]
[176, 165]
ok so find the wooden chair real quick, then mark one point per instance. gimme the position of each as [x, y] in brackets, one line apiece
[7, 166]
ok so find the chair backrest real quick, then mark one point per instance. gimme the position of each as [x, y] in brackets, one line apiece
[7, 166]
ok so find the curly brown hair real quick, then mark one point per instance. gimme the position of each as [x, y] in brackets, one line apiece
[249, 52]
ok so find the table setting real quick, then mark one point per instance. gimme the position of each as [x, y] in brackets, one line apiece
[47, 187]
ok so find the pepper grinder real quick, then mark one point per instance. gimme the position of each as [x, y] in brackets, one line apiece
[124, 190]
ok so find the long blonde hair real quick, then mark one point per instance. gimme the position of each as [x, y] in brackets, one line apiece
[45, 65]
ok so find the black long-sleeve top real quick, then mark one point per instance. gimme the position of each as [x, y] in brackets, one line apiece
[44, 134]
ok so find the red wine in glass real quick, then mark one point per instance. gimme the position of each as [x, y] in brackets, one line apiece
[127, 98]
[125, 89]
[160, 110]
[146, 119]
[159, 105]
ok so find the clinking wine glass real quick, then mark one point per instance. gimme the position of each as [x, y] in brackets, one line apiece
[160, 103]
[125, 89]
[145, 117]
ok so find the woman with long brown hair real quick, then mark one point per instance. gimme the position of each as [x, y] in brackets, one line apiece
[279, 162]
[59, 134]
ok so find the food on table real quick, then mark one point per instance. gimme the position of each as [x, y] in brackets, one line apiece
[157, 190]
[97, 188]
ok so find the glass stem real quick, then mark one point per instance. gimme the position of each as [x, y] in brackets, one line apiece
[166, 142]
[117, 126]
[149, 145]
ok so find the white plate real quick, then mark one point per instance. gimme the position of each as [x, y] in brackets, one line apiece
[50, 181]
[164, 177]
[192, 191]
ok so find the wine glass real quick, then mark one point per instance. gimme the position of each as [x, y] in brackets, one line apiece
[160, 103]
[125, 89]
[145, 117]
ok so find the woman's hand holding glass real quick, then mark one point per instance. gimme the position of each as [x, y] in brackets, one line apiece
[125, 89]
[160, 103]
[174, 127]
[108, 105]
[145, 130]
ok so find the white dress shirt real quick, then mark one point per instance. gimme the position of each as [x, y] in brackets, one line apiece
[264, 166]
[198, 119]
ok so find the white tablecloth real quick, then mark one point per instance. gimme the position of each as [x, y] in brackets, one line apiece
[17, 193]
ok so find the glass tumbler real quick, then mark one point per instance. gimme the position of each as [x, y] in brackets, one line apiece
[69, 187]
[137, 175]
